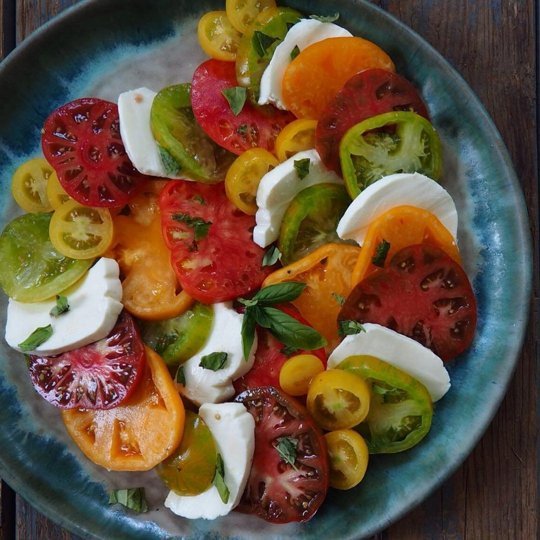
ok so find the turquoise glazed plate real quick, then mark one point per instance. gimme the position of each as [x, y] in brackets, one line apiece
[101, 48]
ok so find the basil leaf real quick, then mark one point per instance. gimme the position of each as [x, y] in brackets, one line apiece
[200, 200]
[381, 251]
[62, 306]
[200, 226]
[349, 328]
[302, 167]
[279, 292]
[289, 351]
[132, 498]
[295, 52]
[338, 298]
[286, 447]
[236, 96]
[261, 42]
[214, 361]
[36, 338]
[272, 256]
[219, 480]
[325, 18]
[248, 332]
[171, 166]
[242, 129]
[180, 376]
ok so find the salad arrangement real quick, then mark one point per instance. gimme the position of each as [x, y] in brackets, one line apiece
[337, 162]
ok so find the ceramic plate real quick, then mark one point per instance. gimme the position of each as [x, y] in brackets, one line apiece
[103, 47]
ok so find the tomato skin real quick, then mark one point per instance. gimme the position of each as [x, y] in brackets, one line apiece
[267, 494]
[29, 185]
[368, 93]
[349, 456]
[253, 126]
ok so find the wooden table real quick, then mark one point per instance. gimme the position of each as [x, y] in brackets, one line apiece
[494, 495]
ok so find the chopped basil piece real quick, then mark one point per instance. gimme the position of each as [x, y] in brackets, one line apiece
[325, 18]
[219, 480]
[36, 338]
[380, 253]
[242, 129]
[272, 256]
[302, 167]
[180, 376]
[289, 351]
[348, 328]
[200, 226]
[261, 42]
[295, 52]
[132, 498]
[171, 166]
[236, 96]
[214, 361]
[62, 306]
[338, 298]
[199, 199]
[286, 447]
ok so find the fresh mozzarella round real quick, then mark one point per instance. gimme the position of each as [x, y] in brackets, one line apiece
[94, 305]
[278, 188]
[412, 189]
[303, 34]
[401, 351]
[206, 386]
[233, 429]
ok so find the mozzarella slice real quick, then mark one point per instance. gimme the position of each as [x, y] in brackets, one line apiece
[303, 34]
[207, 386]
[411, 189]
[94, 305]
[279, 187]
[134, 111]
[400, 351]
[233, 429]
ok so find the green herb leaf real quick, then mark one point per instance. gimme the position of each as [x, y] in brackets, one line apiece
[289, 351]
[272, 256]
[279, 292]
[261, 42]
[242, 129]
[62, 306]
[381, 252]
[295, 52]
[132, 498]
[171, 166]
[286, 447]
[180, 376]
[214, 361]
[236, 96]
[338, 298]
[325, 18]
[302, 167]
[200, 226]
[219, 480]
[248, 332]
[36, 338]
[348, 328]
[200, 200]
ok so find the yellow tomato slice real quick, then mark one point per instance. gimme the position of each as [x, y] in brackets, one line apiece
[217, 36]
[297, 373]
[295, 137]
[29, 185]
[81, 232]
[242, 13]
[244, 175]
[349, 456]
[55, 192]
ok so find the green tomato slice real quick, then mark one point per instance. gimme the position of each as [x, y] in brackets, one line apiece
[184, 146]
[257, 46]
[400, 411]
[311, 220]
[191, 468]
[394, 142]
[178, 339]
[32, 269]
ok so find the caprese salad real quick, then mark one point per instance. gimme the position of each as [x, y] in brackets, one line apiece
[249, 281]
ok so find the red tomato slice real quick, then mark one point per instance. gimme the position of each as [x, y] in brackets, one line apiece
[253, 126]
[213, 254]
[81, 140]
[97, 376]
[278, 491]
[368, 93]
[423, 294]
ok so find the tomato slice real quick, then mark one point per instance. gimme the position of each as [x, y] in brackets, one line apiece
[349, 456]
[296, 137]
[242, 13]
[139, 433]
[218, 38]
[97, 376]
[253, 126]
[277, 490]
[423, 294]
[213, 253]
[297, 372]
[81, 140]
[368, 93]
[29, 185]
[55, 192]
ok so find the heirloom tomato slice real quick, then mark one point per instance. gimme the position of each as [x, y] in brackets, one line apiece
[368, 93]
[81, 140]
[279, 489]
[252, 126]
[423, 294]
[212, 251]
[97, 376]
[139, 433]
[29, 185]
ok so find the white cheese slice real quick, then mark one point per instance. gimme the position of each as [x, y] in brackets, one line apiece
[206, 386]
[412, 189]
[303, 34]
[401, 351]
[94, 305]
[278, 188]
[233, 429]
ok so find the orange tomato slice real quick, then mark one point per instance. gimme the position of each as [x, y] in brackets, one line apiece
[401, 227]
[319, 72]
[138, 434]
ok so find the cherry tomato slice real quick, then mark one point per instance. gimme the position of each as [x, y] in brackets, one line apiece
[277, 490]
[423, 294]
[368, 93]
[29, 185]
[101, 375]
[297, 373]
[139, 433]
[242, 13]
[253, 126]
[81, 140]
[218, 38]
[349, 456]
[295, 137]
[56, 194]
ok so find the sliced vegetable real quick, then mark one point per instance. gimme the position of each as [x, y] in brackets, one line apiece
[297, 373]
[218, 38]
[295, 137]
[349, 456]
[29, 185]
[242, 13]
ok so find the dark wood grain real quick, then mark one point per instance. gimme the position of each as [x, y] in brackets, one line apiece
[493, 44]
